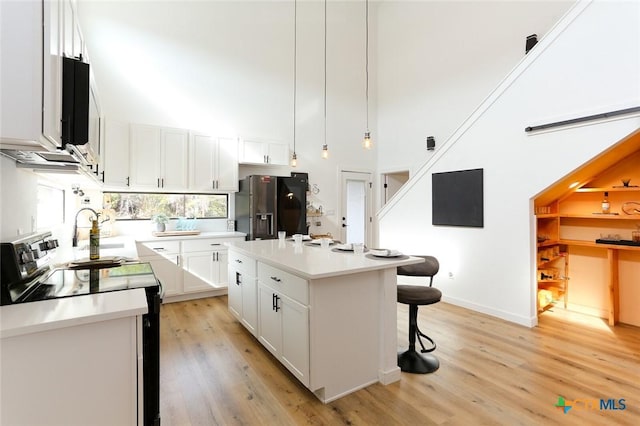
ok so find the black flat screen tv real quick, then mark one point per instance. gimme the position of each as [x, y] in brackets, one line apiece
[457, 198]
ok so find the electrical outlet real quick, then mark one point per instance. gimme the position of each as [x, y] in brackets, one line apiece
[450, 275]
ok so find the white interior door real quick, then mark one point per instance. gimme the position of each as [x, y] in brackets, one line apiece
[356, 207]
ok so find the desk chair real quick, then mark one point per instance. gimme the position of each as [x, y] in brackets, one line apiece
[411, 361]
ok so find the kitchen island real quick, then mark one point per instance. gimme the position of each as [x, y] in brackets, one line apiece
[326, 315]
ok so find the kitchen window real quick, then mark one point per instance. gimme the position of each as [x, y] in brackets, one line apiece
[143, 205]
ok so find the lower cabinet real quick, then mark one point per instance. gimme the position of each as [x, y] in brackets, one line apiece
[283, 318]
[164, 258]
[205, 269]
[190, 268]
[84, 374]
[243, 291]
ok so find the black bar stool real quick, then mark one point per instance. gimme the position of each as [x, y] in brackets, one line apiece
[411, 361]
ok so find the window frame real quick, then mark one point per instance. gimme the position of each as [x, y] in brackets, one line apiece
[184, 194]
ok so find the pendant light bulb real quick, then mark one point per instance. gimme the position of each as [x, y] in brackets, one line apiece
[294, 160]
[325, 151]
[366, 142]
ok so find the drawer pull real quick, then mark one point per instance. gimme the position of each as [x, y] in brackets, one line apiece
[159, 248]
[215, 244]
[276, 279]
[238, 261]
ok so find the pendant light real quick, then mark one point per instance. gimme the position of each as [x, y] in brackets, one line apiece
[366, 142]
[294, 157]
[325, 148]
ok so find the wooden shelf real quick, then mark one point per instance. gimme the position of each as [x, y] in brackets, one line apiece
[613, 189]
[601, 216]
[582, 243]
[547, 215]
[549, 243]
[546, 281]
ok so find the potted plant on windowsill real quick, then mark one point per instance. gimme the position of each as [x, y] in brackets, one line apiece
[160, 221]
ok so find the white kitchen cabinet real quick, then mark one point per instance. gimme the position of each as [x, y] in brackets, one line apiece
[189, 267]
[72, 43]
[213, 163]
[115, 155]
[243, 290]
[164, 258]
[205, 264]
[31, 81]
[284, 318]
[78, 374]
[158, 158]
[253, 151]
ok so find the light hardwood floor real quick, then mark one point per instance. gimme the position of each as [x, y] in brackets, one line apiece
[213, 372]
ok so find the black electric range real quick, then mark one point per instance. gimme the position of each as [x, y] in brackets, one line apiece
[58, 283]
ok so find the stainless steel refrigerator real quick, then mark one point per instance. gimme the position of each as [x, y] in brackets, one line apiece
[256, 202]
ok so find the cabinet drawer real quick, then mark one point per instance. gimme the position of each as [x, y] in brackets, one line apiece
[204, 244]
[242, 263]
[288, 284]
[163, 247]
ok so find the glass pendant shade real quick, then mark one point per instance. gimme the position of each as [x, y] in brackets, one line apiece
[325, 151]
[366, 142]
[294, 160]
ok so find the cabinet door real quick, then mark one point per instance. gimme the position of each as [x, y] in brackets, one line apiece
[278, 153]
[145, 148]
[116, 154]
[220, 267]
[52, 68]
[227, 165]
[295, 338]
[201, 168]
[174, 159]
[198, 271]
[270, 330]
[252, 151]
[249, 303]
[236, 281]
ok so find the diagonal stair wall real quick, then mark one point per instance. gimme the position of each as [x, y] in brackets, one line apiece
[588, 63]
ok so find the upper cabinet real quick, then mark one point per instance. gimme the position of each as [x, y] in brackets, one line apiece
[115, 158]
[213, 163]
[31, 74]
[254, 151]
[140, 157]
[158, 158]
[36, 36]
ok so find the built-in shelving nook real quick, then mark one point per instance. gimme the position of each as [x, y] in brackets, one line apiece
[589, 257]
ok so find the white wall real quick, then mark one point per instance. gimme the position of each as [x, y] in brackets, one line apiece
[18, 201]
[592, 66]
[453, 54]
[226, 67]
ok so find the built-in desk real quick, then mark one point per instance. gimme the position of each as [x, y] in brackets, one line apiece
[612, 281]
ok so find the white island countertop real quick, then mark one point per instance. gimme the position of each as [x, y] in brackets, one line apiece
[314, 262]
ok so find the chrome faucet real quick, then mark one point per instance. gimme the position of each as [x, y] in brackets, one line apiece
[74, 240]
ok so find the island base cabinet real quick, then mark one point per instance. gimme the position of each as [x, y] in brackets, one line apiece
[79, 375]
[284, 330]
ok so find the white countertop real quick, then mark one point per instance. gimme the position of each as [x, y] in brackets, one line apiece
[314, 262]
[33, 317]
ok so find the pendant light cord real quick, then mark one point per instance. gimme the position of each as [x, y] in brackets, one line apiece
[367, 58]
[295, 62]
[325, 73]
